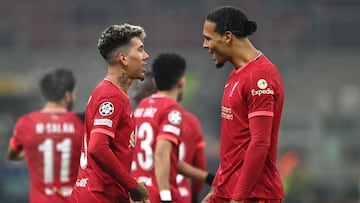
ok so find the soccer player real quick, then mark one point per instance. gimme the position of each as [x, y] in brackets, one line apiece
[159, 122]
[108, 141]
[50, 140]
[191, 148]
[251, 110]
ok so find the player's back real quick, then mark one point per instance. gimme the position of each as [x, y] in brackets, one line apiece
[51, 140]
[157, 117]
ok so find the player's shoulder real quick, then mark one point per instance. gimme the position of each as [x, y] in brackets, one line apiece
[173, 105]
[264, 64]
[31, 115]
[28, 118]
[105, 87]
[106, 91]
[263, 69]
[161, 101]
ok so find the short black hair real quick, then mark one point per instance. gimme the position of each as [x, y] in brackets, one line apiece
[55, 83]
[116, 36]
[168, 68]
[229, 18]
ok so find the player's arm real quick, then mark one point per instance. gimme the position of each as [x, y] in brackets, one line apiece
[191, 171]
[99, 150]
[194, 173]
[254, 161]
[162, 158]
[15, 152]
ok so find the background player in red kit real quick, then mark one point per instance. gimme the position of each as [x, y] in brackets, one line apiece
[50, 140]
[250, 112]
[192, 146]
[108, 141]
[159, 126]
[192, 151]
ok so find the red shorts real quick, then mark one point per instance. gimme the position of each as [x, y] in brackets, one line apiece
[214, 199]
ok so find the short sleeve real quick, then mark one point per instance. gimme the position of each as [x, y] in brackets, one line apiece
[260, 94]
[107, 113]
[171, 123]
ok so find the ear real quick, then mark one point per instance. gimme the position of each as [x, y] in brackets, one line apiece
[154, 82]
[182, 82]
[70, 95]
[228, 37]
[122, 57]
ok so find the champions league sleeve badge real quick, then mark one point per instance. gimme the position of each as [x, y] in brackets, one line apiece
[174, 117]
[106, 109]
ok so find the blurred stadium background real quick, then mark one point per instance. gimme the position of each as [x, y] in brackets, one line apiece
[315, 44]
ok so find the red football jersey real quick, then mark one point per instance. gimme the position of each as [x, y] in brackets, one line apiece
[191, 150]
[51, 140]
[108, 111]
[253, 90]
[157, 117]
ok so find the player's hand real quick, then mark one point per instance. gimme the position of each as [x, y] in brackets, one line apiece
[140, 193]
[132, 140]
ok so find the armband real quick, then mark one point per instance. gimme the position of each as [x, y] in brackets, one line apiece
[209, 179]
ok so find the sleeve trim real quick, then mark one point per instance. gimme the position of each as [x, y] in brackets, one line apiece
[261, 113]
[13, 145]
[106, 132]
[201, 145]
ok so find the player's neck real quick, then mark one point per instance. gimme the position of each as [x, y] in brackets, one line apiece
[246, 54]
[55, 105]
[173, 94]
[119, 79]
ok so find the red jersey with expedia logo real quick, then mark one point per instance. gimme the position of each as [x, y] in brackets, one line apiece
[191, 150]
[157, 117]
[51, 140]
[253, 90]
[109, 112]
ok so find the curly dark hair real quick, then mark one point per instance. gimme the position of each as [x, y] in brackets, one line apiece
[117, 36]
